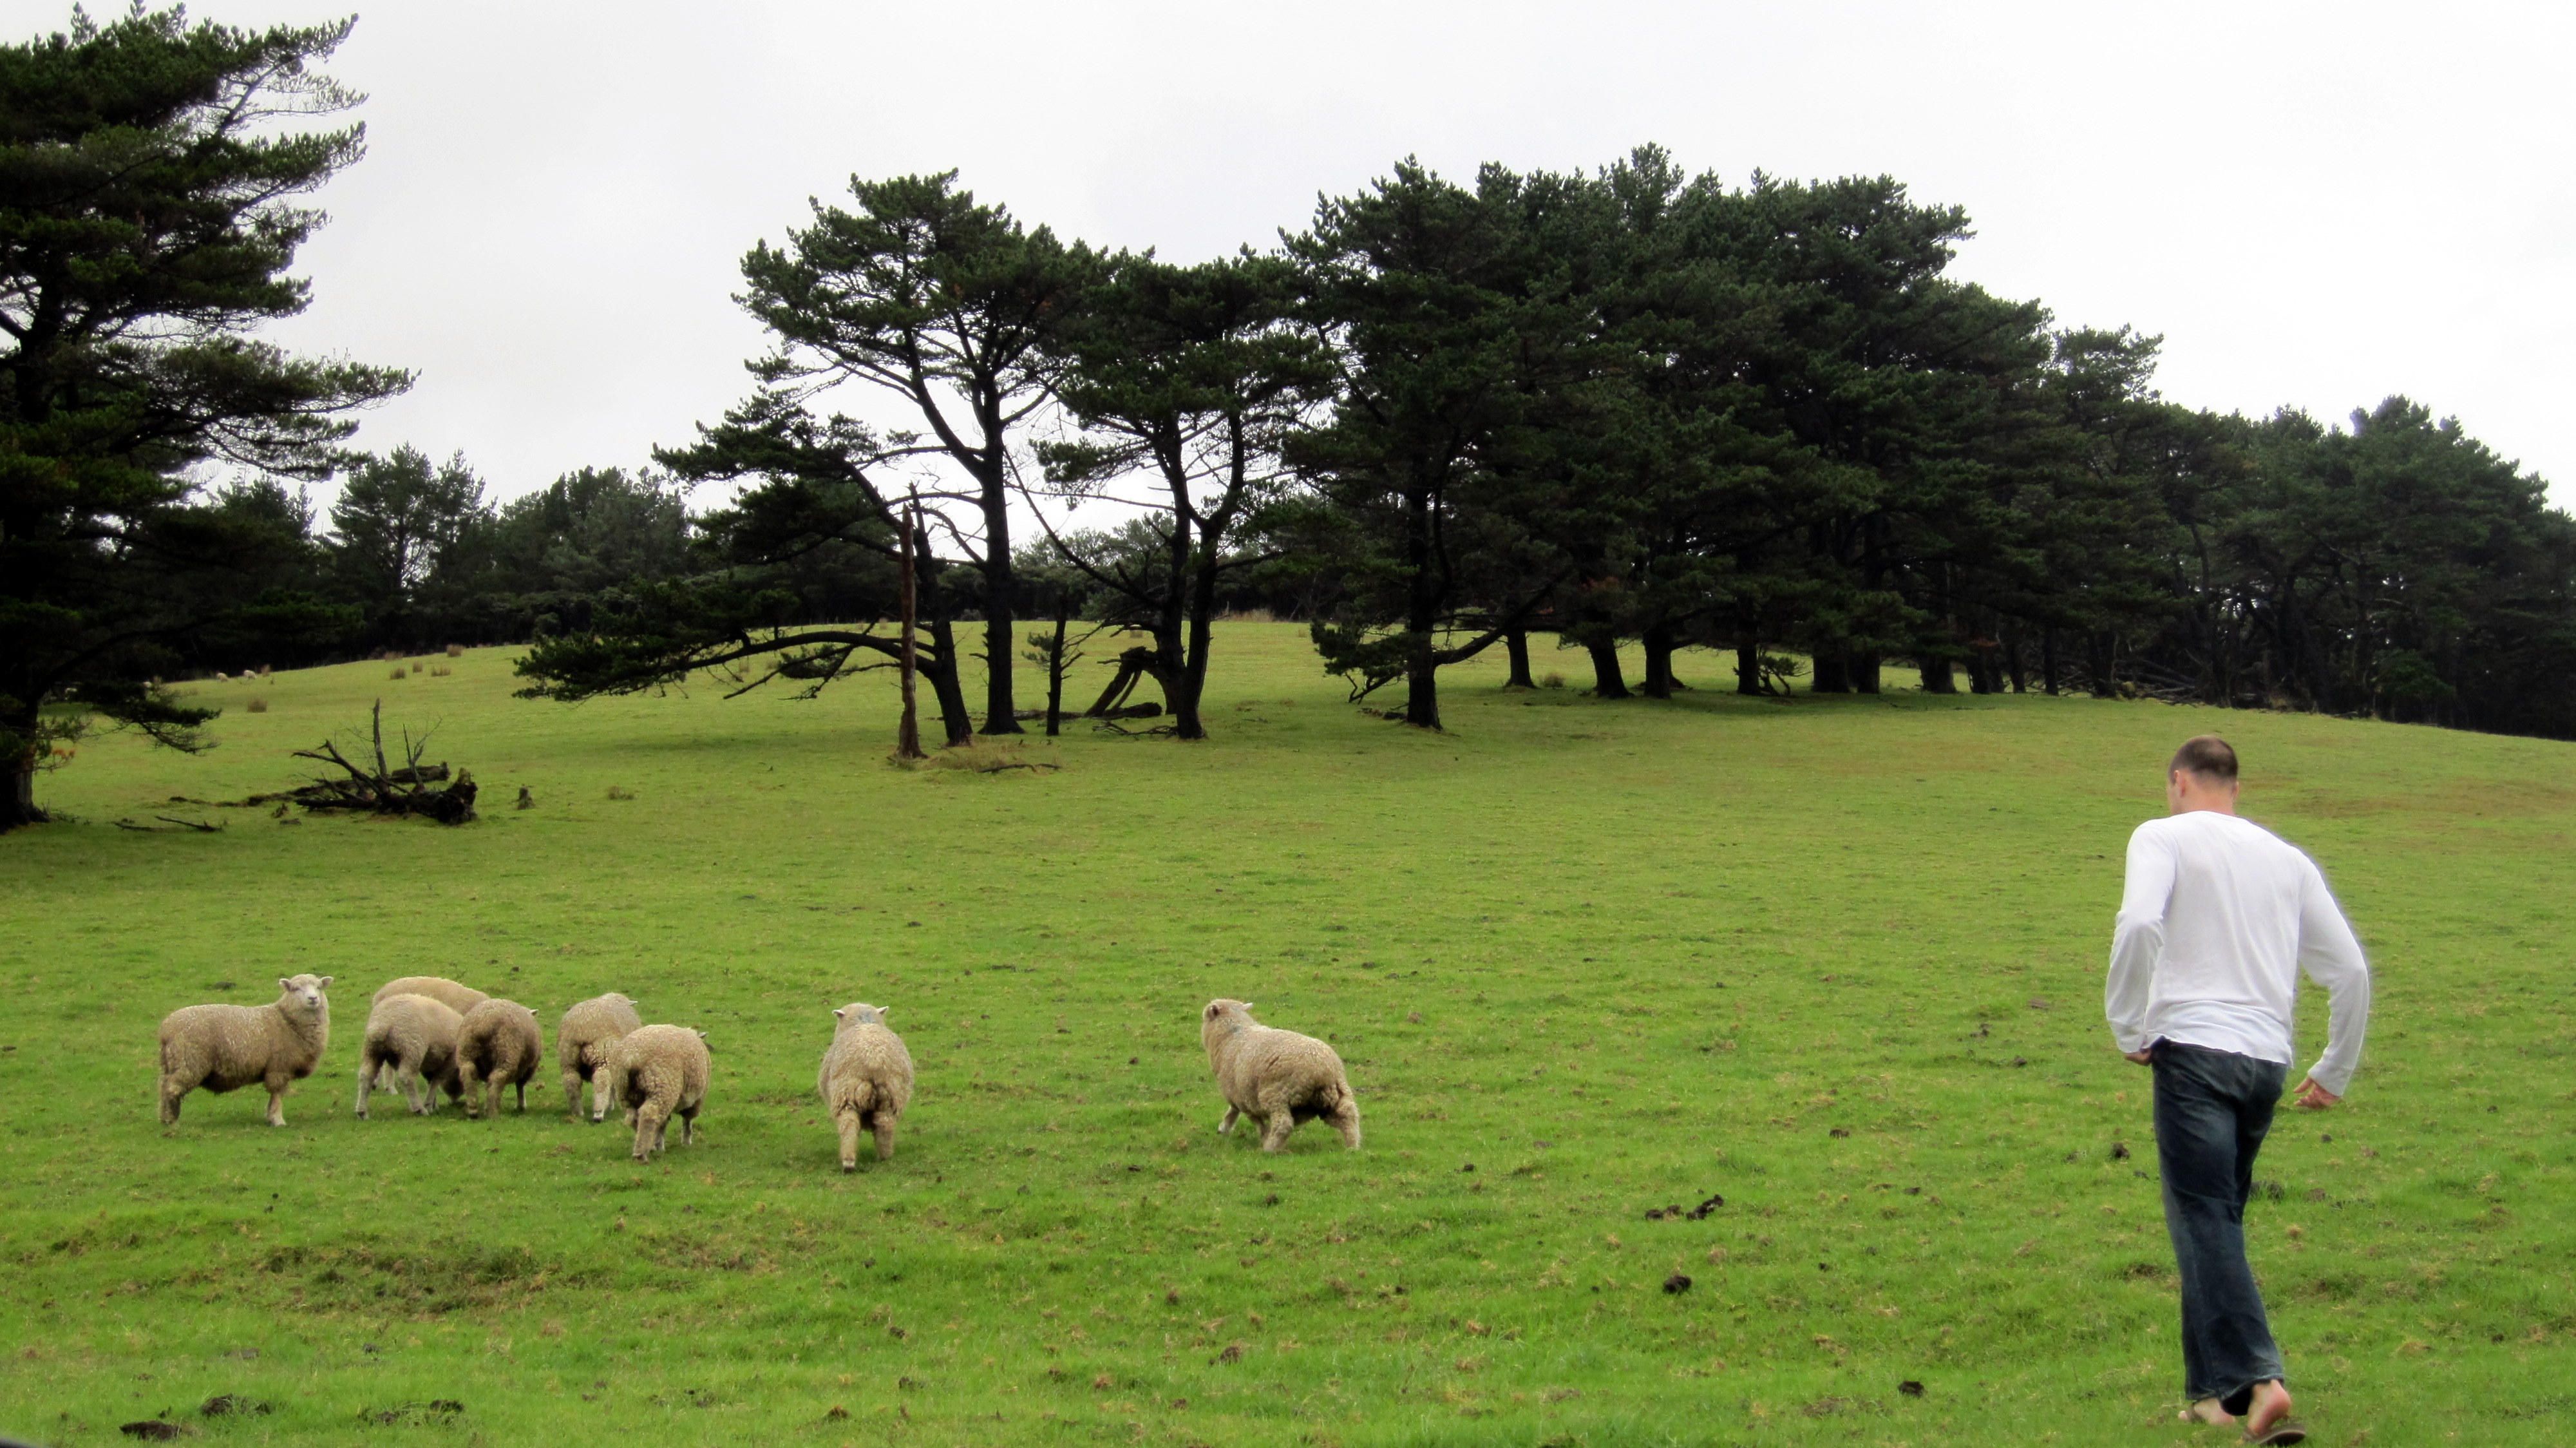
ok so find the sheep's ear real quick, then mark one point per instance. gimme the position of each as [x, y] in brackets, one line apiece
[839, 1015]
[284, 983]
[1247, 1006]
[885, 1010]
[326, 982]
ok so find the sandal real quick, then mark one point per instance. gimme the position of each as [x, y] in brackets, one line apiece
[2279, 1435]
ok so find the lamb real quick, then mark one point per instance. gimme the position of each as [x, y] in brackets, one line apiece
[582, 1043]
[497, 1045]
[656, 1072]
[222, 1047]
[416, 1037]
[457, 998]
[1278, 1078]
[866, 1080]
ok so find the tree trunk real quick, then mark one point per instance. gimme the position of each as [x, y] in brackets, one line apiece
[1659, 662]
[1001, 596]
[940, 668]
[18, 805]
[2048, 660]
[1748, 664]
[1937, 678]
[1832, 675]
[1055, 666]
[1864, 673]
[1607, 680]
[1516, 645]
[1981, 671]
[2097, 661]
[1421, 685]
[2020, 673]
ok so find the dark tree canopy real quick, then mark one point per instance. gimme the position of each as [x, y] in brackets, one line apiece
[152, 185]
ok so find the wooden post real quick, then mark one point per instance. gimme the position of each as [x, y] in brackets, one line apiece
[908, 736]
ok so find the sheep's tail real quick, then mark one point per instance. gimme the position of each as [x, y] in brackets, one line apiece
[861, 1097]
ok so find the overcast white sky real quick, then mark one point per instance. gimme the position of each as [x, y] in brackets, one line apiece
[2315, 204]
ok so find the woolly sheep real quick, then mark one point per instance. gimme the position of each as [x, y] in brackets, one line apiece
[582, 1043]
[221, 1048]
[866, 1080]
[657, 1072]
[416, 1037]
[457, 998]
[1278, 1078]
[498, 1045]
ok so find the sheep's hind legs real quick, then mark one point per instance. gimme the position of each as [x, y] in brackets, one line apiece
[1227, 1125]
[366, 1083]
[885, 1135]
[848, 1123]
[648, 1131]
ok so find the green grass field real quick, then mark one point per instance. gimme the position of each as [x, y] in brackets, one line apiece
[1838, 961]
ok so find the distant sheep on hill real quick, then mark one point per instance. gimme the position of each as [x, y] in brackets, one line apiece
[1278, 1078]
[866, 1081]
[221, 1048]
[415, 1037]
[498, 1045]
[582, 1043]
[657, 1072]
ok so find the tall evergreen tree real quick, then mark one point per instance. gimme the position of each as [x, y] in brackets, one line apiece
[952, 306]
[1187, 383]
[1449, 324]
[152, 180]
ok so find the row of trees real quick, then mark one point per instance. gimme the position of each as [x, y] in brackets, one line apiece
[1632, 406]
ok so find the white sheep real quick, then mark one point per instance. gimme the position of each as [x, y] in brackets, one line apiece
[498, 1045]
[657, 1072]
[1278, 1078]
[415, 1036]
[582, 1043]
[866, 1080]
[457, 998]
[221, 1048]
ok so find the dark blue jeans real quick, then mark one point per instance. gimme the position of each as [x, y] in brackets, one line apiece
[2212, 1109]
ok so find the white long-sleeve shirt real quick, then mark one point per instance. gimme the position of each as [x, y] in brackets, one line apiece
[2219, 916]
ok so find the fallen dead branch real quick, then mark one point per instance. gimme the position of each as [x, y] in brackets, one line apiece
[371, 784]
[177, 824]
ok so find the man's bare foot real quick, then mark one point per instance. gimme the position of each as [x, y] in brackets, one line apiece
[2210, 1411]
[2271, 1404]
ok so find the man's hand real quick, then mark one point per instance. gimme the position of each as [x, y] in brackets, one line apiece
[2144, 1058]
[2313, 1097]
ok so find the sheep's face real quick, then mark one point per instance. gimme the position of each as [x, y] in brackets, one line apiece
[303, 995]
[860, 1013]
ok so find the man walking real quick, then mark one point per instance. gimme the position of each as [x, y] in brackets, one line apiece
[2218, 917]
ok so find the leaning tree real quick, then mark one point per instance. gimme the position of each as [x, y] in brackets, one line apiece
[152, 185]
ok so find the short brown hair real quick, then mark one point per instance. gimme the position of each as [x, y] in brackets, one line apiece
[2208, 756]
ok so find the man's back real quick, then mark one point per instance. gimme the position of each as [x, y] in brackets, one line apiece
[2217, 918]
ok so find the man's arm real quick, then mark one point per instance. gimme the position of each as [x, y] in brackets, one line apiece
[2139, 938]
[2333, 959]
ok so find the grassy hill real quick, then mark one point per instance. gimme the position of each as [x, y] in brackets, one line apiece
[1836, 961]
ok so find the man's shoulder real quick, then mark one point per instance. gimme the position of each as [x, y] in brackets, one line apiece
[2210, 825]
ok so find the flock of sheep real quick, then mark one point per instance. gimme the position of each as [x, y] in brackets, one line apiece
[426, 1034]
